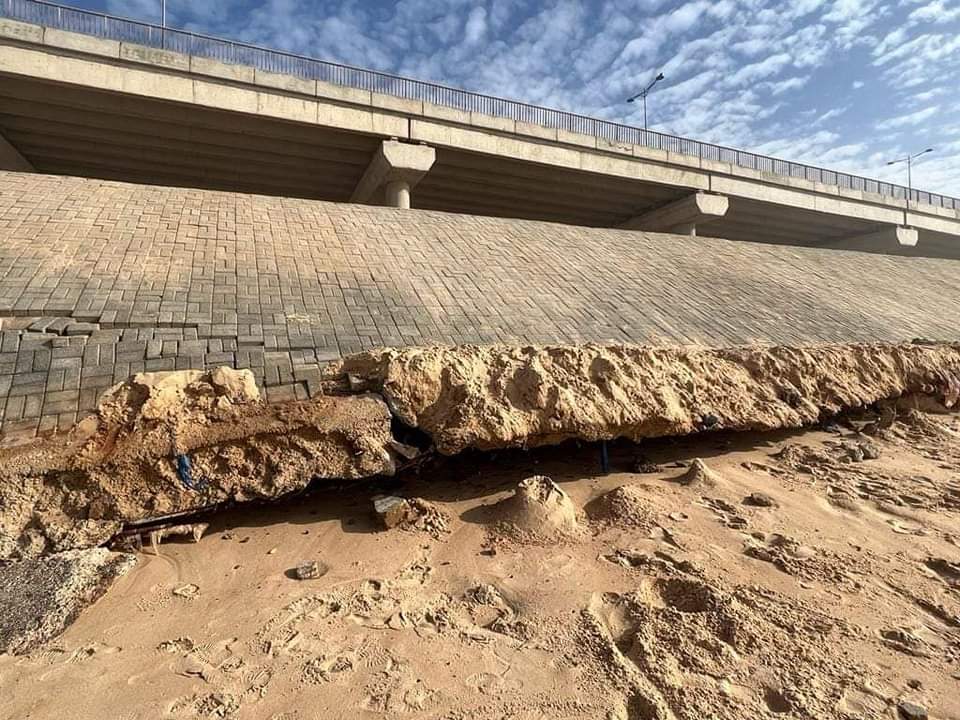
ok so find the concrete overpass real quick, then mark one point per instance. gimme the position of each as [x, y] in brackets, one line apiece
[95, 105]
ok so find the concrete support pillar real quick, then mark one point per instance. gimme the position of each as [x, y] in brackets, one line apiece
[681, 216]
[397, 194]
[686, 229]
[394, 171]
[11, 159]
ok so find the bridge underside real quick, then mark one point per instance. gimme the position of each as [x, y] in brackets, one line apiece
[76, 130]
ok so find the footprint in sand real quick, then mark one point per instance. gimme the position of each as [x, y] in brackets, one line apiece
[945, 570]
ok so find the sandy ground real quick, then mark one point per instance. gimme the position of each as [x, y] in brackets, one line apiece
[667, 599]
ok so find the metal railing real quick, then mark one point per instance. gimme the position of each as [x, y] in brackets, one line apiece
[61, 17]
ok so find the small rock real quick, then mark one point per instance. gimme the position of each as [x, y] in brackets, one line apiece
[408, 452]
[309, 570]
[187, 591]
[709, 421]
[859, 451]
[760, 499]
[644, 466]
[852, 453]
[912, 711]
[272, 551]
[391, 510]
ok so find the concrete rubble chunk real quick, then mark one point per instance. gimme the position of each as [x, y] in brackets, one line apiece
[39, 598]
[391, 510]
[499, 396]
[310, 570]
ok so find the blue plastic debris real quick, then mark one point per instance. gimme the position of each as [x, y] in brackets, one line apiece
[185, 471]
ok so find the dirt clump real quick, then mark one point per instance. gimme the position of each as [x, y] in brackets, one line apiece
[410, 514]
[624, 506]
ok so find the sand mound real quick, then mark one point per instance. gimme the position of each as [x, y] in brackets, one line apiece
[539, 510]
[166, 443]
[501, 396]
[625, 506]
[700, 475]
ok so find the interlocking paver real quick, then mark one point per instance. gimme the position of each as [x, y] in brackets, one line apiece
[162, 278]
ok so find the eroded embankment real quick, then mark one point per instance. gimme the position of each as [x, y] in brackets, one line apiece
[499, 396]
[166, 443]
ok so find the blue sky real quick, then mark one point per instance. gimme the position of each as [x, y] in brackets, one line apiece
[848, 84]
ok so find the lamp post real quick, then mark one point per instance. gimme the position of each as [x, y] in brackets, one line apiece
[909, 161]
[643, 94]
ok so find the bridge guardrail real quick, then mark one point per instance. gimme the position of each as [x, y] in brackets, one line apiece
[101, 25]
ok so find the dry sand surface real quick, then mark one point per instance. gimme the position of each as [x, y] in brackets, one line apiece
[790, 574]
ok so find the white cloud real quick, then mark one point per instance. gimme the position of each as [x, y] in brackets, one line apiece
[476, 26]
[937, 12]
[788, 85]
[759, 70]
[830, 115]
[908, 120]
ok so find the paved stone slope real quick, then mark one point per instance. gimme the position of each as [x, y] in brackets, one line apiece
[99, 280]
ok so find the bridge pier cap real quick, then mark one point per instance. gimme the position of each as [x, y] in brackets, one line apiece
[393, 172]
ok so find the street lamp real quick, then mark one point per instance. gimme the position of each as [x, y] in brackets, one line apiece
[909, 161]
[643, 94]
